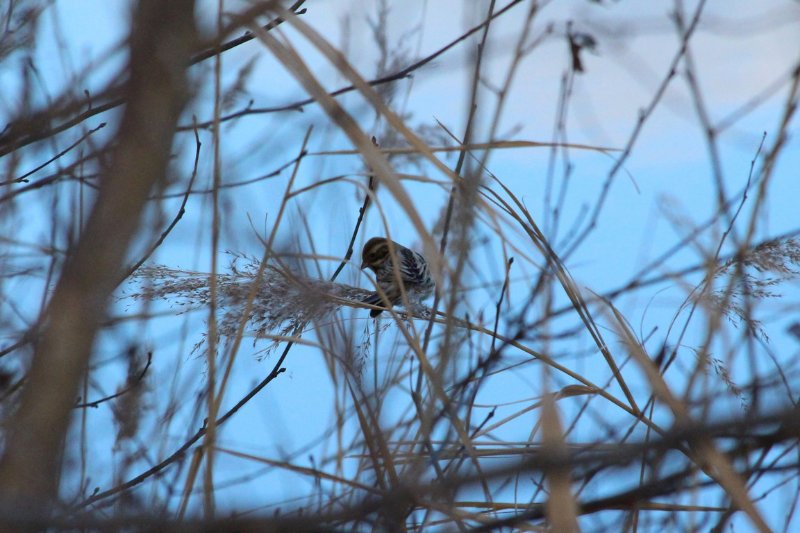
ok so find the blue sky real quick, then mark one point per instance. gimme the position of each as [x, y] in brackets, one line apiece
[665, 190]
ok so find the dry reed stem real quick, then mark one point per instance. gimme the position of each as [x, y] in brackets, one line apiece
[709, 459]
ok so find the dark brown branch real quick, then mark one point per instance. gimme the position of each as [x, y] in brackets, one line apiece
[24, 178]
[644, 115]
[367, 197]
[750, 435]
[395, 76]
[178, 454]
[133, 385]
[178, 216]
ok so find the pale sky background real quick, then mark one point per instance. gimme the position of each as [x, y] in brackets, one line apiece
[741, 49]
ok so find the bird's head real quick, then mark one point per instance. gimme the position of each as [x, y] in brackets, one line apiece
[375, 253]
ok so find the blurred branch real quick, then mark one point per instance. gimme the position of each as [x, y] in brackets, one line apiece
[35, 128]
[161, 41]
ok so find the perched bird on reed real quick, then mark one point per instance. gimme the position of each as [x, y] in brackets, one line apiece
[415, 279]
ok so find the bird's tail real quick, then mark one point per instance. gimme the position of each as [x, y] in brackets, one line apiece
[374, 299]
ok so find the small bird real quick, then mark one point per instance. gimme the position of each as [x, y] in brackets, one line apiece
[415, 279]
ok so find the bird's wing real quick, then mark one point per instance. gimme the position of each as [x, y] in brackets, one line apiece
[413, 267]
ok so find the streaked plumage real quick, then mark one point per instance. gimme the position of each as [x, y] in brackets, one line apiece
[414, 274]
